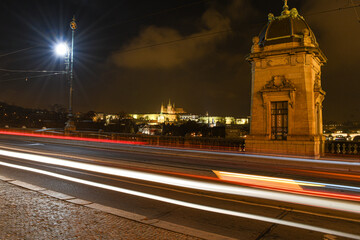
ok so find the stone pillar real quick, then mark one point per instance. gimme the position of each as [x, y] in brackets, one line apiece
[286, 102]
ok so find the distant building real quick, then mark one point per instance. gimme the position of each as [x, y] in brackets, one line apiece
[168, 114]
[189, 117]
[150, 129]
[98, 117]
[171, 109]
[214, 121]
[172, 114]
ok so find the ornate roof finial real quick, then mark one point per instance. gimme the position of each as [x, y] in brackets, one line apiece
[285, 8]
[271, 17]
[285, 4]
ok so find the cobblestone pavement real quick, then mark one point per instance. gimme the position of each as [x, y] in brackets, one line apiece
[26, 214]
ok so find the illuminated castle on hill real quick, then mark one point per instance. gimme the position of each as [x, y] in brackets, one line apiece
[170, 109]
[171, 114]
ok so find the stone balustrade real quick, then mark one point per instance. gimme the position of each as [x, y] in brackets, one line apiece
[342, 147]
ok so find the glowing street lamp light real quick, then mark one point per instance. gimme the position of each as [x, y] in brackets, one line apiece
[62, 49]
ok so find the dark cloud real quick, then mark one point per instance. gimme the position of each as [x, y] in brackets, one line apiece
[211, 74]
[170, 55]
[201, 74]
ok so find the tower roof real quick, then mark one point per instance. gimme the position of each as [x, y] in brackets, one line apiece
[290, 26]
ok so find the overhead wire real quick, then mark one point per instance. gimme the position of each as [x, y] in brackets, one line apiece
[26, 78]
[356, 13]
[224, 31]
[162, 43]
[185, 38]
[333, 10]
[122, 22]
[16, 51]
[160, 12]
[28, 71]
[176, 40]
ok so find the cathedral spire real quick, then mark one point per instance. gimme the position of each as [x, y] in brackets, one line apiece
[162, 108]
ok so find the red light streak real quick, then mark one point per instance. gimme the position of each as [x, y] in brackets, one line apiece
[331, 174]
[72, 138]
[256, 184]
[160, 144]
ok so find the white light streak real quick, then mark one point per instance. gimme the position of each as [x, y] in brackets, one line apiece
[283, 180]
[183, 203]
[192, 184]
[294, 159]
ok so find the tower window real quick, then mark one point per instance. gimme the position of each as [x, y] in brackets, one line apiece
[279, 120]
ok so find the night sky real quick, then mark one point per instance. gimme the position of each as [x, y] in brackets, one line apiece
[133, 55]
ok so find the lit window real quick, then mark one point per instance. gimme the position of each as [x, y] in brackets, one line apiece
[279, 120]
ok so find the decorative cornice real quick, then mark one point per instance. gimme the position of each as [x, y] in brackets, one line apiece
[310, 50]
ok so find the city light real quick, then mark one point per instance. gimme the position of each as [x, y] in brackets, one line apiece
[62, 49]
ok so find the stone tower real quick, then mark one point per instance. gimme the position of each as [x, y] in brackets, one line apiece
[286, 103]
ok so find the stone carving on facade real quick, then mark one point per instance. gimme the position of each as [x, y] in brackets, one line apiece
[318, 106]
[317, 81]
[271, 17]
[306, 40]
[319, 94]
[278, 83]
[278, 62]
[255, 47]
[294, 13]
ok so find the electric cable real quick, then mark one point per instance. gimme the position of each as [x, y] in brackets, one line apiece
[158, 12]
[332, 10]
[30, 77]
[28, 71]
[16, 51]
[356, 13]
[176, 40]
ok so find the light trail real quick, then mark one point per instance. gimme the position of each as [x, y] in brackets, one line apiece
[294, 159]
[242, 154]
[185, 204]
[332, 174]
[270, 181]
[71, 138]
[192, 184]
[182, 191]
[146, 146]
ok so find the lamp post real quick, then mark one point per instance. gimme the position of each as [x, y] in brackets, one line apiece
[63, 50]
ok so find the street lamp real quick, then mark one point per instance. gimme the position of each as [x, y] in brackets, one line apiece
[62, 49]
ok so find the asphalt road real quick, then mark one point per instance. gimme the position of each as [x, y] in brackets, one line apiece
[177, 187]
